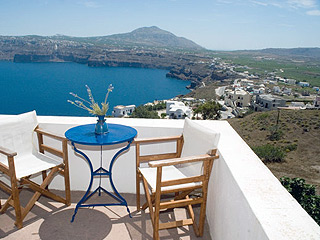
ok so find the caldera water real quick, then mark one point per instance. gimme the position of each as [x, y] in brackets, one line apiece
[45, 87]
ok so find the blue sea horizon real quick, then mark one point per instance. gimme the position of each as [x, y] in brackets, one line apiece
[45, 87]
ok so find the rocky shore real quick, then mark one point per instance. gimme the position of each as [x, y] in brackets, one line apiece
[197, 67]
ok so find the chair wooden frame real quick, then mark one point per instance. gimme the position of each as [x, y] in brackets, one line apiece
[182, 196]
[17, 184]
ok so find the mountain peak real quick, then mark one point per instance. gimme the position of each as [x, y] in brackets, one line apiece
[153, 37]
[149, 29]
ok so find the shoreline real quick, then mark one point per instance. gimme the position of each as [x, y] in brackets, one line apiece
[68, 76]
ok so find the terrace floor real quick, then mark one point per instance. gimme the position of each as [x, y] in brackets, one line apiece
[51, 220]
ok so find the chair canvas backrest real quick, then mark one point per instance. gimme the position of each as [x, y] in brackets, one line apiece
[198, 140]
[16, 132]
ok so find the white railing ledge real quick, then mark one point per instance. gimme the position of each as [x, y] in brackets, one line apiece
[245, 200]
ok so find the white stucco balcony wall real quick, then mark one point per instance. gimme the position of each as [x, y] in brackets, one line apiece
[245, 200]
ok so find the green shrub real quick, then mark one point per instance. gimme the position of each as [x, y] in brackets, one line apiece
[159, 106]
[269, 153]
[275, 134]
[209, 110]
[291, 147]
[262, 116]
[163, 115]
[143, 112]
[305, 194]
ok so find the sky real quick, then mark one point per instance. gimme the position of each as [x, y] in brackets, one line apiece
[213, 24]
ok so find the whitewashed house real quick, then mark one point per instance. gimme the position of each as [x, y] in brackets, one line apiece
[297, 105]
[287, 91]
[291, 81]
[304, 84]
[245, 82]
[237, 98]
[262, 90]
[267, 102]
[123, 111]
[276, 89]
[257, 91]
[177, 110]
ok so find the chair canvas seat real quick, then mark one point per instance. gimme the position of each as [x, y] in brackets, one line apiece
[21, 158]
[168, 173]
[189, 165]
[30, 164]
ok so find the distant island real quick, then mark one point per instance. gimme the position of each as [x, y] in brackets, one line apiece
[146, 47]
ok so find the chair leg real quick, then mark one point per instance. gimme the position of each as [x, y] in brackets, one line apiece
[138, 176]
[145, 206]
[15, 193]
[6, 205]
[191, 214]
[37, 194]
[44, 176]
[149, 199]
[202, 218]
[17, 207]
[66, 172]
[204, 196]
[67, 187]
[154, 215]
[156, 222]
[15, 202]
[138, 180]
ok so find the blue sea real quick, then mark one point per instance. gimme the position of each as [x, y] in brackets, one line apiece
[45, 87]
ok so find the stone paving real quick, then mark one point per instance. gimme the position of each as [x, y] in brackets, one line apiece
[51, 220]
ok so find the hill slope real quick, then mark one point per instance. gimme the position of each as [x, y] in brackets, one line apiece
[298, 127]
[294, 52]
[149, 36]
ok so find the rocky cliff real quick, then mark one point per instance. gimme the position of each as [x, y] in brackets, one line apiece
[148, 48]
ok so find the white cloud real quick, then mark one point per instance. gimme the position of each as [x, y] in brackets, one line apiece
[90, 4]
[314, 12]
[225, 1]
[291, 3]
[302, 3]
[285, 25]
[260, 3]
[267, 3]
[310, 5]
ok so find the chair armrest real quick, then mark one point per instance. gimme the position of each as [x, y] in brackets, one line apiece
[175, 161]
[49, 134]
[7, 152]
[158, 139]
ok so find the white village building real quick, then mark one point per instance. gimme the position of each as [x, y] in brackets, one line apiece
[123, 111]
[237, 98]
[304, 84]
[291, 81]
[177, 110]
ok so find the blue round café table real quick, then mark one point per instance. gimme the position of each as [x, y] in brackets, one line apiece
[85, 135]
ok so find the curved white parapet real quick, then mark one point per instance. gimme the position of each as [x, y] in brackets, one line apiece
[245, 200]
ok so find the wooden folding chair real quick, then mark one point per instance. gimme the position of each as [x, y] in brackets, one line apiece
[181, 172]
[20, 160]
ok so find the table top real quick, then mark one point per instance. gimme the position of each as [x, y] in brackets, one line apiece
[84, 134]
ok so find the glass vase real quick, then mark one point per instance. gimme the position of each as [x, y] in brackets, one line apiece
[101, 125]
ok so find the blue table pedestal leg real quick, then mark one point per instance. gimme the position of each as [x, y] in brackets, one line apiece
[84, 198]
[124, 202]
[101, 172]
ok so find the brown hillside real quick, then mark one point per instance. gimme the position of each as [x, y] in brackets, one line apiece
[301, 127]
